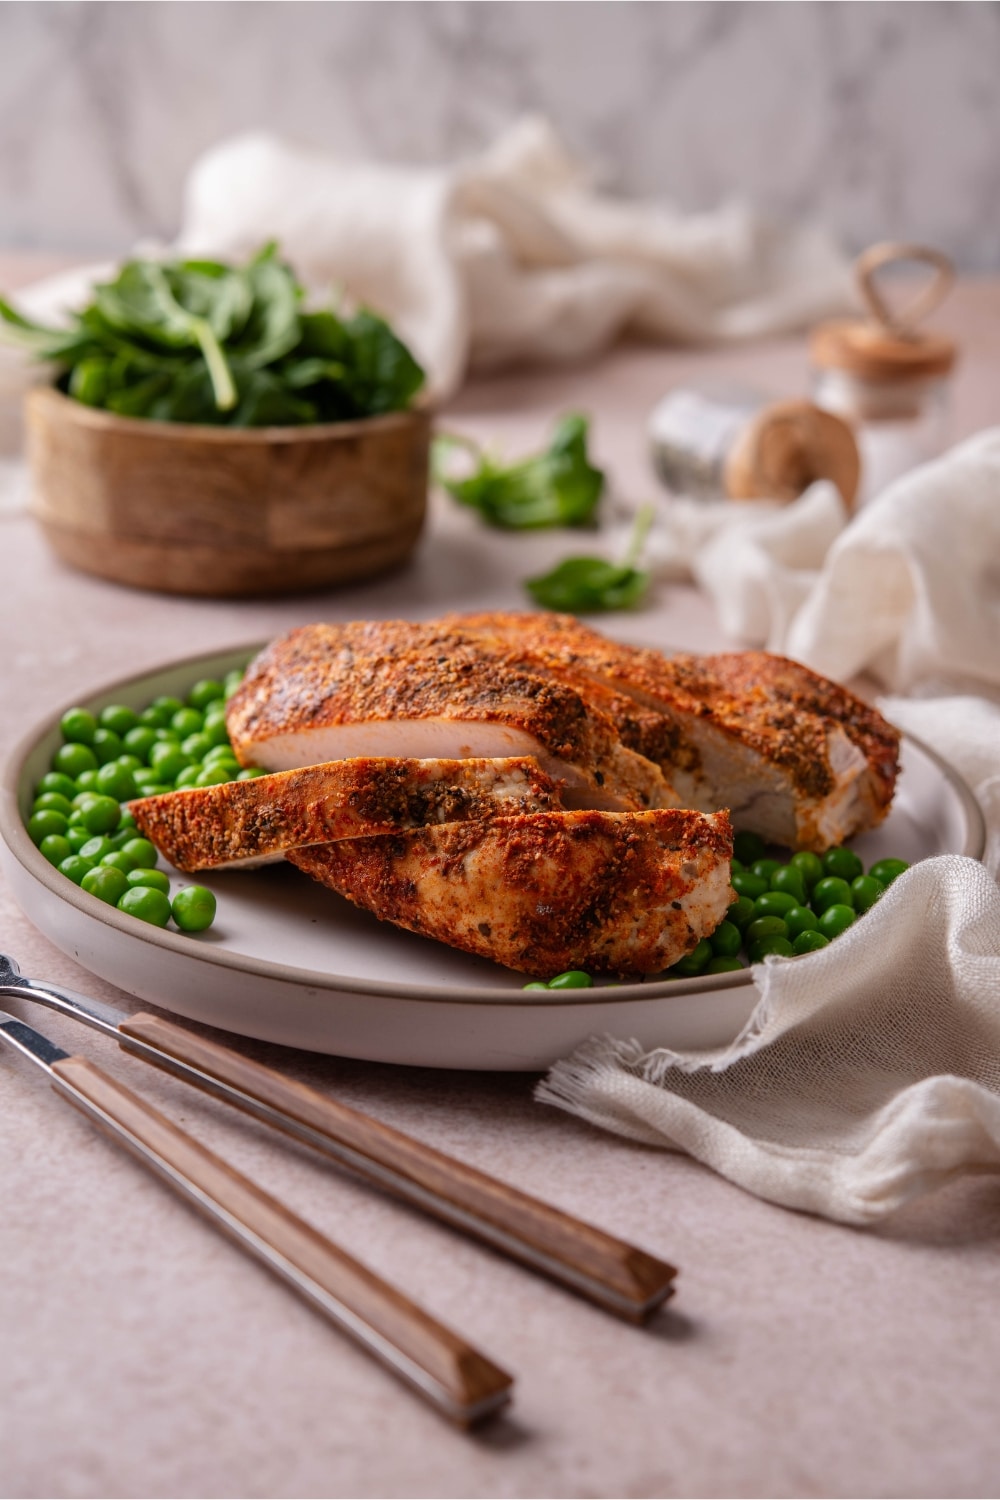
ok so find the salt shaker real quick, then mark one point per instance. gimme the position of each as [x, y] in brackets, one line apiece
[889, 380]
[719, 444]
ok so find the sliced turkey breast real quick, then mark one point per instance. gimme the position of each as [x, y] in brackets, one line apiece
[394, 688]
[612, 893]
[796, 757]
[247, 823]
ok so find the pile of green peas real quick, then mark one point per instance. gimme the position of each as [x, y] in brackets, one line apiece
[78, 819]
[789, 907]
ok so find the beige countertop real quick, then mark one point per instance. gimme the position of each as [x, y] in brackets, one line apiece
[142, 1355]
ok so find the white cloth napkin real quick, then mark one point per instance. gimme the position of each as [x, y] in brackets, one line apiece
[869, 1072]
[510, 257]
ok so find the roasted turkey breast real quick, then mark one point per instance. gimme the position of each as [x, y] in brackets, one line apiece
[611, 893]
[393, 688]
[797, 758]
[247, 823]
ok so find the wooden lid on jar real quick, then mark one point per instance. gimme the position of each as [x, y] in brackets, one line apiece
[870, 352]
[785, 448]
[887, 348]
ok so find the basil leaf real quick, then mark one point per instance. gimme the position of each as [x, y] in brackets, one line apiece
[584, 585]
[559, 487]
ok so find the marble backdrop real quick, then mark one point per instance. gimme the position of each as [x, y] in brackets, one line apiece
[880, 119]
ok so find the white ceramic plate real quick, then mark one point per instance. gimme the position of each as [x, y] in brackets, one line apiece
[289, 961]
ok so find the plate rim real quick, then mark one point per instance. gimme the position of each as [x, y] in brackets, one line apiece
[24, 851]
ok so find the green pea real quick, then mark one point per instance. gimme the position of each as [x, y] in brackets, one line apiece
[736, 864]
[130, 762]
[746, 883]
[216, 730]
[810, 942]
[117, 781]
[73, 759]
[774, 904]
[196, 747]
[158, 879]
[573, 979]
[106, 883]
[765, 868]
[887, 870]
[78, 726]
[82, 800]
[107, 746]
[205, 692]
[168, 761]
[53, 802]
[42, 824]
[87, 780]
[220, 752]
[788, 878]
[121, 837]
[232, 681]
[194, 909]
[96, 848]
[809, 866]
[127, 821]
[830, 891]
[140, 740]
[55, 847]
[764, 927]
[726, 940]
[118, 718]
[168, 704]
[119, 860]
[168, 735]
[77, 836]
[694, 962]
[74, 867]
[836, 919]
[214, 775]
[145, 778]
[773, 944]
[250, 773]
[865, 891]
[155, 718]
[800, 919]
[158, 789]
[188, 777]
[102, 815]
[536, 984]
[147, 904]
[723, 965]
[741, 913]
[55, 781]
[141, 851]
[748, 846]
[187, 721]
[843, 863]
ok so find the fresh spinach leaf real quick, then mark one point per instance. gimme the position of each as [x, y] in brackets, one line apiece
[201, 341]
[587, 585]
[559, 487]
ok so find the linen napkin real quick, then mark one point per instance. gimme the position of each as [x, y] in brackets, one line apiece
[869, 1073]
[511, 257]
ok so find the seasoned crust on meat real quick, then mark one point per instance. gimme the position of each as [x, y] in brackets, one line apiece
[611, 893]
[325, 691]
[245, 823]
[797, 757]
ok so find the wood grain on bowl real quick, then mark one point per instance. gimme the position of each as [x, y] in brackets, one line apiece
[223, 511]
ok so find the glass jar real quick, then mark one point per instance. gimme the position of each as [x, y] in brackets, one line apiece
[890, 382]
[731, 444]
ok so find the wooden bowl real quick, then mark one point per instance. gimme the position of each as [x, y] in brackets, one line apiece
[222, 511]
